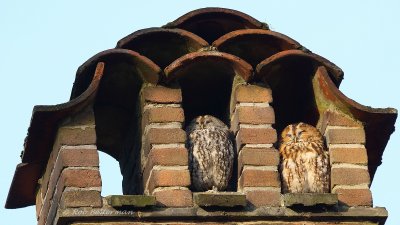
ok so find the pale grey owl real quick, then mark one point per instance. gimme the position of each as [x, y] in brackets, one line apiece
[211, 153]
[304, 160]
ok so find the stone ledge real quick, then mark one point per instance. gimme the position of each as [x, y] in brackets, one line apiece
[135, 201]
[220, 199]
[196, 214]
[310, 199]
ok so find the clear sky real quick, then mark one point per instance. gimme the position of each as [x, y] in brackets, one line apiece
[42, 43]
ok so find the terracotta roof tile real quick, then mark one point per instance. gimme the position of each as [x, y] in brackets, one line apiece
[212, 23]
[162, 46]
[197, 61]
[254, 45]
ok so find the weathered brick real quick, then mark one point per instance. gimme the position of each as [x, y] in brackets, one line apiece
[38, 203]
[255, 115]
[258, 178]
[163, 136]
[77, 135]
[80, 198]
[348, 155]
[173, 197]
[166, 135]
[165, 157]
[44, 212]
[169, 156]
[252, 93]
[257, 157]
[79, 156]
[81, 137]
[160, 94]
[168, 178]
[349, 176]
[354, 197]
[81, 178]
[342, 135]
[337, 119]
[256, 136]
[260, 197]
[163, 114]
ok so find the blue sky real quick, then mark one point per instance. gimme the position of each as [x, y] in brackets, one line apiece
[42, 43]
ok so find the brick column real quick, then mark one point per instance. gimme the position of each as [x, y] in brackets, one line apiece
[257, 158]
[72, 178]
[164, 156]
[350, 178]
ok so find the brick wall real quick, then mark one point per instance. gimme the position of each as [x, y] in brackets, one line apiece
[350, 178]
[72, 178]
[251, 122]
[164, 156]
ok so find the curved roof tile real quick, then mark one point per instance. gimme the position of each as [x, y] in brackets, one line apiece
[151, 72]
[196, 60]
[23, 186]
[162, 46]
[211, 23]
[254, 45]
[378, 122]
[335, 72]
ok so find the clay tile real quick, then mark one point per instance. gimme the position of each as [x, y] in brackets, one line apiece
[84, 74]
[293, 56]
[254, 45]
[212, 23]
[23, 185]
[172, 43]
[209, 60]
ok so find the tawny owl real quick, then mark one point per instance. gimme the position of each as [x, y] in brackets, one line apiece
[304, 160]
[211, 153]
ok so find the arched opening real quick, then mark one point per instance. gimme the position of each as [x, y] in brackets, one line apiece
[290, 75]
[110, 175]
[206, 80]
[117, 108]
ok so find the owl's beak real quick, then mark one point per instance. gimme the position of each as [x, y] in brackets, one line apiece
[295, 139]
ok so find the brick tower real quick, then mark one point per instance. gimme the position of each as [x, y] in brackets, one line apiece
[134, 101]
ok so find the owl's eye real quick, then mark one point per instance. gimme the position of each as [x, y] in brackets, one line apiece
[300, 132]
[288, 135]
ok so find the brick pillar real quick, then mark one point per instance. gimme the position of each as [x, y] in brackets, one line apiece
[164, 156]
[257, 158]
[350, 178]
[72, 178]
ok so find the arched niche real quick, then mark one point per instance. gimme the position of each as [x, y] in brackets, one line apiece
[212, 23]
[162, 46]
[117, 108]
[206, 80]
[290, 76]
[254, 45]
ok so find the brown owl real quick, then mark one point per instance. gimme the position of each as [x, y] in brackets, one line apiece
[211, 153]
[304, 160]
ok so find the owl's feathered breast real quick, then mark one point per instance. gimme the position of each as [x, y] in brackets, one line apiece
[305, 161]
[210, 156]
